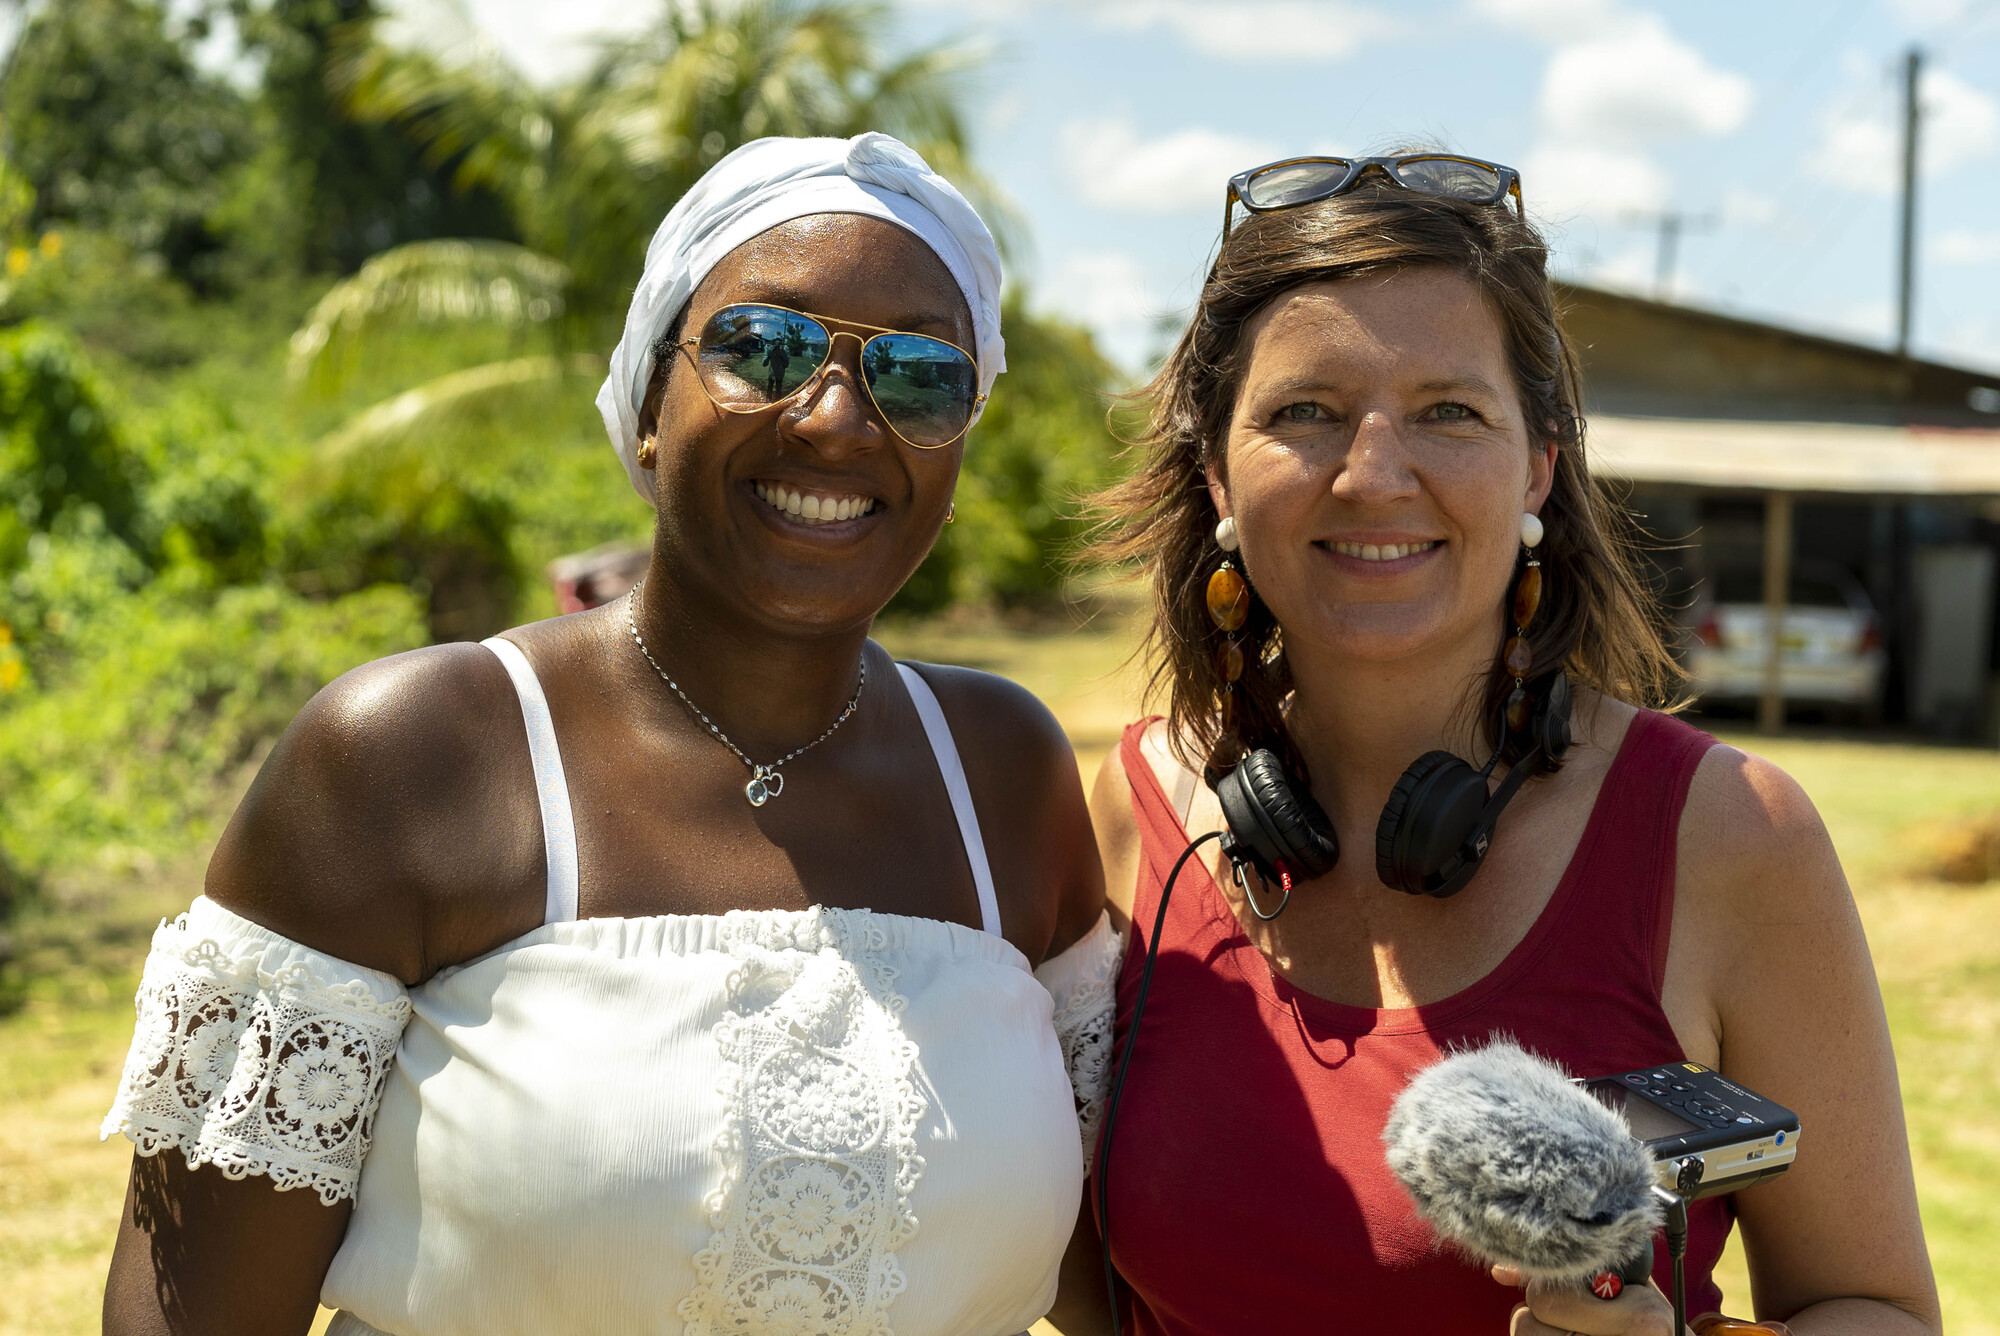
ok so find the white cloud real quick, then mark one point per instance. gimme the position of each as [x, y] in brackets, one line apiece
[1107, 291]
[1299, 30]
[1963, 246]
[1639, 85]
[546, 42]
[1862, 149]
[1554, 21]
[1617, 84]
[1929, 12]
[1567, 180]
[1113, 168]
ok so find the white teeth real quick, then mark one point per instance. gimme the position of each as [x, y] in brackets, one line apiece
[1382, 551]
[811, 507]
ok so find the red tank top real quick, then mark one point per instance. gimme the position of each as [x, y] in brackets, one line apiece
[1249, 1192]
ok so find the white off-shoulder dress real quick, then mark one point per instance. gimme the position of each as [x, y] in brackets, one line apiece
[766, 1122]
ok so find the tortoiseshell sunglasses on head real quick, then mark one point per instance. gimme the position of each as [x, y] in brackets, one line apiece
[1295, 181]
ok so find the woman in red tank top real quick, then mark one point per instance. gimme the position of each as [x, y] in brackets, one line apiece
[1373, 416]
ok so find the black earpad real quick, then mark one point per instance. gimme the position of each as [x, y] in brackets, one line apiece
[1282, 830]
[1553, 722]
[1430, 814]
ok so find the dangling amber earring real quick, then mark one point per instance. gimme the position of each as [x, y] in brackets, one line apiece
[1228, 608]
[1518, 655]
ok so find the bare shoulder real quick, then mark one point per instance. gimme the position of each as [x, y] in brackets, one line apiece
[1753, 846]
[395, 797]
[1117, 834]
[1023, 775]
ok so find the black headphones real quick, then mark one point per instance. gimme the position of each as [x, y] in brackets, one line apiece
[1435, 828]
[1433, 835]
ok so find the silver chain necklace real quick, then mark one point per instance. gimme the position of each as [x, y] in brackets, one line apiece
[766, 782]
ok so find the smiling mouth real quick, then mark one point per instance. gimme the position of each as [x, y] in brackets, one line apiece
[813, 507]
[1381, 551]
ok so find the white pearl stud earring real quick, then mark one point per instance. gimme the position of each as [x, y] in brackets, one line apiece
[1531, 530]
[1225, 534]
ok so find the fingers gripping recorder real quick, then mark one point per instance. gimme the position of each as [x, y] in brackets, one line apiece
[1508, 1158]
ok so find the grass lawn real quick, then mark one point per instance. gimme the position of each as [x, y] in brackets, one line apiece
[1937, 949]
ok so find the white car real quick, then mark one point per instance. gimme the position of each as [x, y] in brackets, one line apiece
[1830, 646]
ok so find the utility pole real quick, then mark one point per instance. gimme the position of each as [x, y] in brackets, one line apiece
[1672, 223]
[1906, 260]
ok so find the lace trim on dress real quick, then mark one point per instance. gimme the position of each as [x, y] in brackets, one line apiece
[819, 1144]
[1084, 983]
[256, 1054]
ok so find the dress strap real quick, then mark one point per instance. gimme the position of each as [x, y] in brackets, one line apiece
[946, 751]
[558, 827]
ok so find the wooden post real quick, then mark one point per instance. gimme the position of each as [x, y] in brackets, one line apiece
[1777, 587]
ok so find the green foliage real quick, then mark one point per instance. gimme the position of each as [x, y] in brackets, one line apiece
[111, 124]
[423, 283]
[358, 187]
[1040, 446]
[164, 696]
[589, 169]
[399, 518]
[58, 449]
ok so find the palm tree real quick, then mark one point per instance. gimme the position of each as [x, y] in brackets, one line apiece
[590, 168]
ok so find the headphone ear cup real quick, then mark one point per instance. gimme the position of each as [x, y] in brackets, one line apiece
[1280, 826]
[1430, 814]
[1555, 735]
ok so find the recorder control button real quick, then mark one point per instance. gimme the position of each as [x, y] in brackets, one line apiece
[1745, 1118]
[1637, 1078]
[1681, 1087]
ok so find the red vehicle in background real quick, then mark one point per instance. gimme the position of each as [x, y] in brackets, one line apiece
[592, 579]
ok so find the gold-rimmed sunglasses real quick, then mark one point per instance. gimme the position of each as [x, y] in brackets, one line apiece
[1296, 181]
[753, 356]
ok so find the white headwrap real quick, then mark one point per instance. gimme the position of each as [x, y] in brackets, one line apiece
[772, 181]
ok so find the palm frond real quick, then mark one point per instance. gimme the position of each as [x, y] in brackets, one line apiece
[416, 413]
[424, 282]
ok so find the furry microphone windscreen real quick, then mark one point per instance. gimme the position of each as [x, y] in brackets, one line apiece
[1509, 1160]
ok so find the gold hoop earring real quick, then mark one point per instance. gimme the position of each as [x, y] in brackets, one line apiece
[648, 453]
[950, 511]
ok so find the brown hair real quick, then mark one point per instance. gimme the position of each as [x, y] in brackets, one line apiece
[1598, 618]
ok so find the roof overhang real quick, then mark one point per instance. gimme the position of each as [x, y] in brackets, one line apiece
[1796, 456]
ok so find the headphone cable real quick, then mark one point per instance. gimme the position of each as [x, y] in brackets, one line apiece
[1118, 1081]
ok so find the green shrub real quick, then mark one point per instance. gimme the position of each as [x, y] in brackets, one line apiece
[161, 698]
[1039, 448]
[398, 517]
[59, 450]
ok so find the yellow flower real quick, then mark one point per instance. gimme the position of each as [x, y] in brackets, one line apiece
[17, 261]
[52, 244]
[10, 674]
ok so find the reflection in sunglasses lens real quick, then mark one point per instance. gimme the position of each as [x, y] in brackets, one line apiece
[1294, 183]
[753, 356]
[925, 388]
[1452, 179]
[756, 355]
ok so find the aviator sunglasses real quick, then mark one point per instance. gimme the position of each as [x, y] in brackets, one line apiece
[1295, 181]
[750, 357]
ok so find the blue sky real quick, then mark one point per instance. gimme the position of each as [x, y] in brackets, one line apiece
[1113, 125]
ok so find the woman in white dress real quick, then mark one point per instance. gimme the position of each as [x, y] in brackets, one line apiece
[685, 965]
